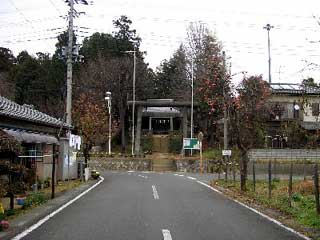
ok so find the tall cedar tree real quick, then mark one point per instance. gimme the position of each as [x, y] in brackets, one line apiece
[171, 79]
[108, 68]
[7, 61]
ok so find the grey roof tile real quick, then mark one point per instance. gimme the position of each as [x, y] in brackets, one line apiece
[25, 112]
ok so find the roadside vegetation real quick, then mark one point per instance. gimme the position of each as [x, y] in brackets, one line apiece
[33, 199]
[299, 211]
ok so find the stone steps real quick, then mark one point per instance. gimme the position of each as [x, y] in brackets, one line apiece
[162, 164]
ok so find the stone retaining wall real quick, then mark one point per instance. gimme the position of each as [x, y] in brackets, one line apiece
[187, 165]
[126, 164]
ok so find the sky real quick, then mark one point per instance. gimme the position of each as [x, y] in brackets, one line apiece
[295, 48]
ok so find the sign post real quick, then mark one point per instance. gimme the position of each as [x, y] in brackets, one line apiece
[226, 152]
[200, 138]
[191, 143]
[226, 155]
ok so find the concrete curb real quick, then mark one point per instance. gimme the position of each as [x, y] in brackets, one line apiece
[24, 221]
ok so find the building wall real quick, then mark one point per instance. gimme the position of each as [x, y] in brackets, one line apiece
[308, 115]
[67, 167]
[44, 168]
[305, 103]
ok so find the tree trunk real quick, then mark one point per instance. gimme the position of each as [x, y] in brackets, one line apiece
[11, 196]
[243, 170]
[122, 127]
[86, 153]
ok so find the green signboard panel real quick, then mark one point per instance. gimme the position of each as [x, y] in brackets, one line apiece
[191, 143]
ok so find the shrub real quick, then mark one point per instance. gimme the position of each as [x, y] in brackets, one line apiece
[34, 199]
[147, 143]
[10, 212]
[175, 142]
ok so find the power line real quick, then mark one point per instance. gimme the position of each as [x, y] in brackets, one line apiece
[57, 9]
[29, 40]
[214, 22]
[34, 33]
[27, 22]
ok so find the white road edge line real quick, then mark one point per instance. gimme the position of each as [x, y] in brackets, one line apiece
[192, 178]
[142, 176]
[155, 192]
[259, 213]
[166, 234]
[45, 219]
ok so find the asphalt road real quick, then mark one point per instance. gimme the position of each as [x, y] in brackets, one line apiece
[137, 206]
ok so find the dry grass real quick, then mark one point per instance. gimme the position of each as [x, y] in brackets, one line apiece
[60, 188]
[300, 214]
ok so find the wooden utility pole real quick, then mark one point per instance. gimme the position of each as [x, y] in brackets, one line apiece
[200, 138]
[316, 187]
[69, 64]
[53, 173]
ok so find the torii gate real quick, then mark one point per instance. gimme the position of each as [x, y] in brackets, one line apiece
[164, 103]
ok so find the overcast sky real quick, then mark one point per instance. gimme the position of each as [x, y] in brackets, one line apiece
[33, 25]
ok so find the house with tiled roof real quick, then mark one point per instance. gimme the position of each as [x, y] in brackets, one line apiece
[290, 103]
[36, 133]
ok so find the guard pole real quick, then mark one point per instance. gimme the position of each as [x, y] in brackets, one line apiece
[201, 163]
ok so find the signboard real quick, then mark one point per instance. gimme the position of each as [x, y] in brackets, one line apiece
[200, 136]
[191, 143]
[226, 152]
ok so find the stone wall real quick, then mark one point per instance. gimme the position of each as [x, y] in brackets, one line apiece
[188, 165]
[124, 164]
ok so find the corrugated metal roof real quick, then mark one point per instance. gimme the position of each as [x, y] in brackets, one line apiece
[25, 112]
[292, 88]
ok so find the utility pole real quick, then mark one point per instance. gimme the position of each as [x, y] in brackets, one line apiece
[268, 27]
[133, 97]
[53, 171]
[225, 115]
[191, 119]
[69, 64]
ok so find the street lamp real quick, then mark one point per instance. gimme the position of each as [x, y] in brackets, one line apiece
[268, 27]
[108, 99]
[133, 97]
[191, 118]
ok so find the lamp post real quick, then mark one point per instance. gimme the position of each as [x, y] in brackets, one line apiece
[191, 118]
[268, 27]
[108, 99]
[133, 96]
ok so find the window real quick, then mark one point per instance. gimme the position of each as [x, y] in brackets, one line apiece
[315, 109]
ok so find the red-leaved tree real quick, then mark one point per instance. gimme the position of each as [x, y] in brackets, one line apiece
[91, 121]
[248, 119]
[214, 94]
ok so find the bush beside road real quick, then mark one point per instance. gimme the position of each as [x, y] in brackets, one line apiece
[38, 205]
[298, 213]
